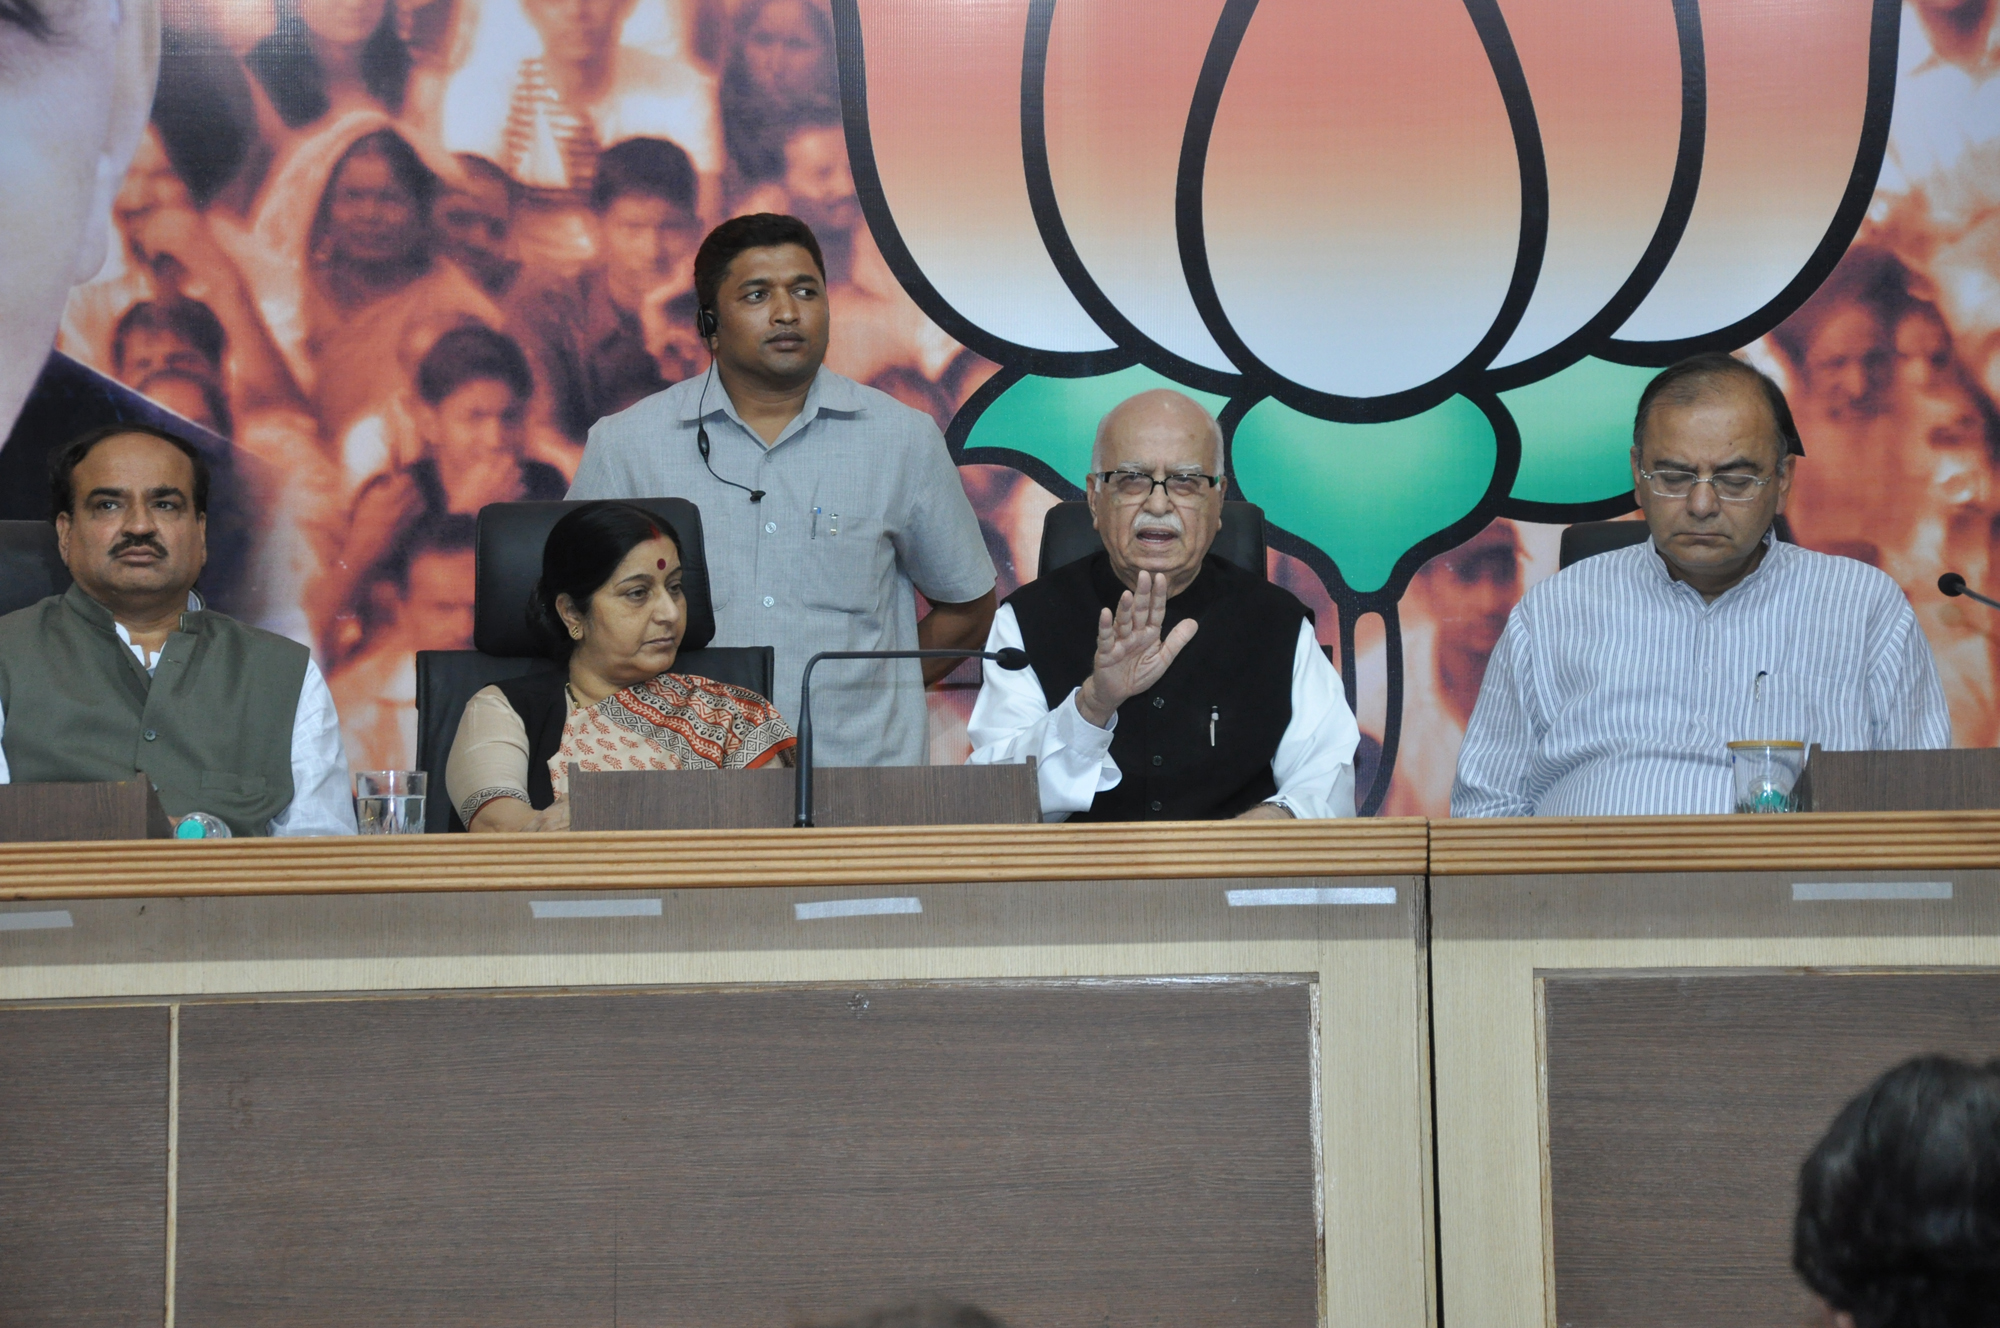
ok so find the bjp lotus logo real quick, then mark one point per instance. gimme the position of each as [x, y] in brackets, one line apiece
[1418, 256]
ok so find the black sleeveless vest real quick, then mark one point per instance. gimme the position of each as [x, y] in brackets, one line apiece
[1198, 746]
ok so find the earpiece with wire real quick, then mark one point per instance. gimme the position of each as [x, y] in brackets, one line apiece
[705, 323]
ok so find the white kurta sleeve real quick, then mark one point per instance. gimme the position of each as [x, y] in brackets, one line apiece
[1011, 721]
[1314, 764]
[322, 796]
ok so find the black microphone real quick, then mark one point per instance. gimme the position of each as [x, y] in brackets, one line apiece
[1009, 657]
[1952, 584]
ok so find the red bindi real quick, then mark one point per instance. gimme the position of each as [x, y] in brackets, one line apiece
[663, 564]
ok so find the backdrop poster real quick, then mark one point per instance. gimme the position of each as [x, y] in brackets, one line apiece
[1419, 258]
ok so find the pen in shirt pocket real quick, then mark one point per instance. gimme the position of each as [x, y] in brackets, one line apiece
[815, 524]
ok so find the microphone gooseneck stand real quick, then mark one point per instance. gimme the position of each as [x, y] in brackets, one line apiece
[1009, 658]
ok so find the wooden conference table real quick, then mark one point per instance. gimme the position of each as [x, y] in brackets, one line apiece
[1073, 1073]
[1070, 1073]
[1642, 1026]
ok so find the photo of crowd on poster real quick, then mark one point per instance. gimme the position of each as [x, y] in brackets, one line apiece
[403, 258]
[395, 259]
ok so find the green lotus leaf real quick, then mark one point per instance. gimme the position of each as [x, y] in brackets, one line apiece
[1576, 432]
[1055, 419]
[1365, 493]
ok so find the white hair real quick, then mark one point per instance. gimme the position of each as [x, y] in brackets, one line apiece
[1160, 394]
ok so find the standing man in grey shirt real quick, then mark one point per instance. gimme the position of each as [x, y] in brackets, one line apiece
[823, 502]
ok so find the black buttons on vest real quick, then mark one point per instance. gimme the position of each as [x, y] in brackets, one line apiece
[1156, 804]
[1159, 703]
[1158, 759]
[151, 735]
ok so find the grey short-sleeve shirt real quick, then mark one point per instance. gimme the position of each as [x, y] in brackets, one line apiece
[861, 502]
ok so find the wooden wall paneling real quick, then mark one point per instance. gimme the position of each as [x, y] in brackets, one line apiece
[1826, 841]
[915, 795]
[1364, 959]
[101, 811]
[83, 1166]
[689, 859]
[1680, 1107]
[1065, 1154]
[1959, 778]
[1496, 940]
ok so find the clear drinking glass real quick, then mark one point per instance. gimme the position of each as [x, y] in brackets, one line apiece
[1765, 774]
[390, 802]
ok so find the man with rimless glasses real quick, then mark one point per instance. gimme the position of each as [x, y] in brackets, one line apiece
[1165, 684]
[1620, 681]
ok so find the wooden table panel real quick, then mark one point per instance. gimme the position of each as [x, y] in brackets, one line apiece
[1680, 1107]
[1499, 945]
[1126, 1152]
[83, 1166]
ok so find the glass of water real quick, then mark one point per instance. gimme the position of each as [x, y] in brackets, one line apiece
[1765, 773]
[390, 802]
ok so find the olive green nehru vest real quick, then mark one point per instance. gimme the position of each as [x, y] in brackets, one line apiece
[212, 727]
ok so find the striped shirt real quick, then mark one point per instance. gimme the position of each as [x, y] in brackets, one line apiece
[1615, 688]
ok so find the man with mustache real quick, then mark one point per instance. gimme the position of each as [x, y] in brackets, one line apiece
[1165, 684]
[126, 674]
[823, 502]
[76, 84]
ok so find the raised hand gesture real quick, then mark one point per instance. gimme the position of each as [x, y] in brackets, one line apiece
[1131, 655]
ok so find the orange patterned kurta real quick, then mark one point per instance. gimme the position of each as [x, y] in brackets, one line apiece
[672, 722]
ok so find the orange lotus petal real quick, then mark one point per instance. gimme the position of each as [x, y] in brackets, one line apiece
[1362, 196]
[1120, 78]
[1787, 94]
[1610, 131]
[944, 118]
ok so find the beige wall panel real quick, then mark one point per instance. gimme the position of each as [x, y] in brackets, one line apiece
[1492, 935]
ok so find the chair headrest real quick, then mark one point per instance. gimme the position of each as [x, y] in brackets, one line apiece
[511, 536]
[30, 568]
[1587, 539]
[1068, 534]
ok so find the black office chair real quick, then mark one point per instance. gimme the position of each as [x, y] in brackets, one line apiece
[509, 561]
[1587, 539]
[1067, 535]
[30, 568]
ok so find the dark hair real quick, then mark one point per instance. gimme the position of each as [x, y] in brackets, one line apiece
[404, 163]
[212, 397]
[758, 230]
[648, 167]
[285, 64]
[190, 320]
[27, 16]
[455, 532]
[204, 110]
[416, 178]
[754, 124]
[494, 173]
[1899, 1205]
[1697, 378]
[62, 466]
[929, 1312]
[473, 353]
[1869, 277]
[583, 549]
